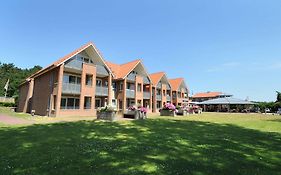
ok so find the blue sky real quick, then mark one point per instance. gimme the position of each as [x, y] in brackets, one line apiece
[232, 46]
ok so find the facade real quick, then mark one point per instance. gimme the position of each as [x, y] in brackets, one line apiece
[203, 96]
[72, 86]
[179, 91]
[82, 81]
[161, 90]
[131, 85]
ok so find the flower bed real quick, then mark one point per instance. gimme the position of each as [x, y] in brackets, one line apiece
[168, 110]
[106, 113]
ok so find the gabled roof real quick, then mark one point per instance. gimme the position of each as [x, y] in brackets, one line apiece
[207, 94]
[156, 77]
[175, 83]
[67, 57]
[122, 70]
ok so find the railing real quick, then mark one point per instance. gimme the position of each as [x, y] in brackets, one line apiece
[74, 64]
[101, 91]
[77, 64]
[70, 88]
[159, 97]
[168, 98]
[146, 95]
[130, 93]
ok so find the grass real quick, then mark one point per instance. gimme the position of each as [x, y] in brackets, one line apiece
[204, 144]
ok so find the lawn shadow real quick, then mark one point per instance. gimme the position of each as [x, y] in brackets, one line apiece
[155, 146]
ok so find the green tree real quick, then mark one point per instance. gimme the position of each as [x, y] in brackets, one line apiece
[15, 75]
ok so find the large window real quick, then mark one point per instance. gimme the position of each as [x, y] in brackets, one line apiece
[71, 79]
[87, 102]
[69, 103]
[89, 80]
[139, 87]
[98, 82]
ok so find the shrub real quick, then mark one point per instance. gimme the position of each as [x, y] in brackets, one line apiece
[107, 109]
[6, 104]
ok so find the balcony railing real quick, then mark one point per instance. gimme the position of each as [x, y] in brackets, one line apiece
[146, 95]
[159, 97]
[77, 64]
[130, 93]
[70, 88]
[168, 98]
[101, 91]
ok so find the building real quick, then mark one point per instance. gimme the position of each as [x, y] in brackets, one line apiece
[179, 91]
[227, 104]
[161, 90]
[72, 86]
[131, 85]
[80, 82]
[203, 96]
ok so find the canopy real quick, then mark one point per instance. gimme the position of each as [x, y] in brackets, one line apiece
[226, 101]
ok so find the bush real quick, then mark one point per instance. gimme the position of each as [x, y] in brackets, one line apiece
[6, 104]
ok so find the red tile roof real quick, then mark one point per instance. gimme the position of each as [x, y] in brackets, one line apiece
[122, 70]
[68, 56]
[156, 77]
[175, 83]
[206, 94]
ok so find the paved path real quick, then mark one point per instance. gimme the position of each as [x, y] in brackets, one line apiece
[13, 120]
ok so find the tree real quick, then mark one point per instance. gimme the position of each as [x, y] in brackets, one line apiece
[16, 76]
[278, 96]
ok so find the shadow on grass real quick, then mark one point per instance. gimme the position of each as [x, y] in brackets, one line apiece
[139, 147]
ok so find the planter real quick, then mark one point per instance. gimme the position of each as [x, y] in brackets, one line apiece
[134, 114]
[168, 113]
[105, 115]
[182, 112]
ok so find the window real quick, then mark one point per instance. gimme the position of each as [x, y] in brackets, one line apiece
[63, 103]
[114, 85]
[106, 83]
[121, 86]
[71, 79]
[54, 102]
[164, 92]
[69, 103]
[158, 104]
[139, 87]
[120, 104]
[87, 102]
[97, 103]
[89, 80]
[98, 82]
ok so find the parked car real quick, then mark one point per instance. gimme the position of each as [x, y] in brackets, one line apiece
[267, 110]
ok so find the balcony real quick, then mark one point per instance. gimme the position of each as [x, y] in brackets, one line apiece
[159, 86]
[77, 65]
[101, 91]
[130, 93]
[168, 98]
[159, 97]
[146, 95]
[70, 88]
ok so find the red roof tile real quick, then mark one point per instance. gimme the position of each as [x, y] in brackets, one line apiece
[206, 94]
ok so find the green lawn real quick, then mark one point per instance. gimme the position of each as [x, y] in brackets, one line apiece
[204, 144]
